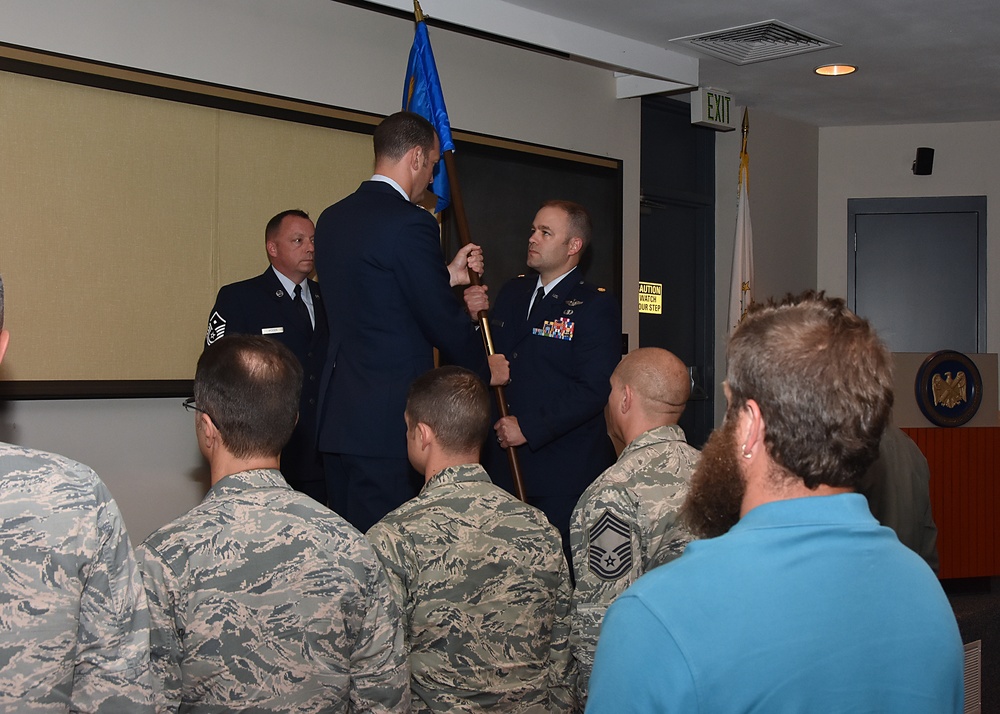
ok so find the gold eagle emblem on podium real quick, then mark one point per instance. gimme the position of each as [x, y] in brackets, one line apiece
[949, 391]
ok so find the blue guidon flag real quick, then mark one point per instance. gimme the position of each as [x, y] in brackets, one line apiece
[422, 95]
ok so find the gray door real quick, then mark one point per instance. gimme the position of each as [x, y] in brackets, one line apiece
[918, 271]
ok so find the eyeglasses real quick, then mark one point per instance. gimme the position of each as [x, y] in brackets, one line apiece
[192, 406]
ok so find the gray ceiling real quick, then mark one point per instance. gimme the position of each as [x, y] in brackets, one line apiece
[920, 61]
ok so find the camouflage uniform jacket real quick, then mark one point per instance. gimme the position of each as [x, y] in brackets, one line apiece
[625, 524]
[74, 628]
[264, 600]
[485, 594]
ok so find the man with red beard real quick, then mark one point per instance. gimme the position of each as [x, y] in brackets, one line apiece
[797, 599]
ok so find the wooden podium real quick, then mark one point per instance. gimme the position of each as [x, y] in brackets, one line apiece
[965, 497]
[965, 468]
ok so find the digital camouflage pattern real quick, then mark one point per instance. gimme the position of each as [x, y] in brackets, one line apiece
[263, 600]
[624, 525]
[485, 595]
[74, 629]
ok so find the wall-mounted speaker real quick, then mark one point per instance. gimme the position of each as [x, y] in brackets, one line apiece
[924, 163]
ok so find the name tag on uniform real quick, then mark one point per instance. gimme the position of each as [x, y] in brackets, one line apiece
[272, 330]
[561, 329]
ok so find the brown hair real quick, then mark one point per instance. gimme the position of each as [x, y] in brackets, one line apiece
[271, 229]
[454, 403]
[580, 225]
[249, 386]
[400, 132]
[823, 381]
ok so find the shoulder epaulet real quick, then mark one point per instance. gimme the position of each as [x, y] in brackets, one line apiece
[591, 286]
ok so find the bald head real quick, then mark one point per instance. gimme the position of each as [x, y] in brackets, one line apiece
[649, 388]
[658, 378]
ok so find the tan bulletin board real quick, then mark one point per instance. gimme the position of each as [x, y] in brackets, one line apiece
[122, 215]
[127, 199]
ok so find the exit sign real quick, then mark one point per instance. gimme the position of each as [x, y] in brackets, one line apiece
[713, 108]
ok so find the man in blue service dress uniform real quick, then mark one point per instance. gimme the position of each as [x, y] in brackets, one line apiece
[561, 357]
[379, 260]
[284, 304]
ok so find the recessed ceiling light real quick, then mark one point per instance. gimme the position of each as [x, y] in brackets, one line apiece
[835, 70]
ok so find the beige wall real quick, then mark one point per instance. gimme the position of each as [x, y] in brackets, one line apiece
[783, 192]
[144, 449]
[876, 161]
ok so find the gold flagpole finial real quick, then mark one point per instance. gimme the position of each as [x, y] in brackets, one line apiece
[417, 12]
[746, 131]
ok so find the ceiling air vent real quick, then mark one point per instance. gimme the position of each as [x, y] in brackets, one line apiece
[756, 43]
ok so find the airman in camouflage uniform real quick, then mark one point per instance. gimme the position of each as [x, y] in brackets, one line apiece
[262, 599]
[626, 522]
[74, 629]
[480, 577]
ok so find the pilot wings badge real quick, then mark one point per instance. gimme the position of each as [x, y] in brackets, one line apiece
[948, 391]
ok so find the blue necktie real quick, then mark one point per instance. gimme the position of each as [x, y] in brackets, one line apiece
[303, 310]
[536, 307]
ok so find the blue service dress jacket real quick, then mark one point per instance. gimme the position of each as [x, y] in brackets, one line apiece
[379, 259]
[560, 366]
[262, 306]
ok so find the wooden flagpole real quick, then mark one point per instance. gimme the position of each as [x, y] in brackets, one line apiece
[483, 317]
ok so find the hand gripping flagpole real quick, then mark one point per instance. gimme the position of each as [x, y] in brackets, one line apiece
[448, 154]
[483, 318]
